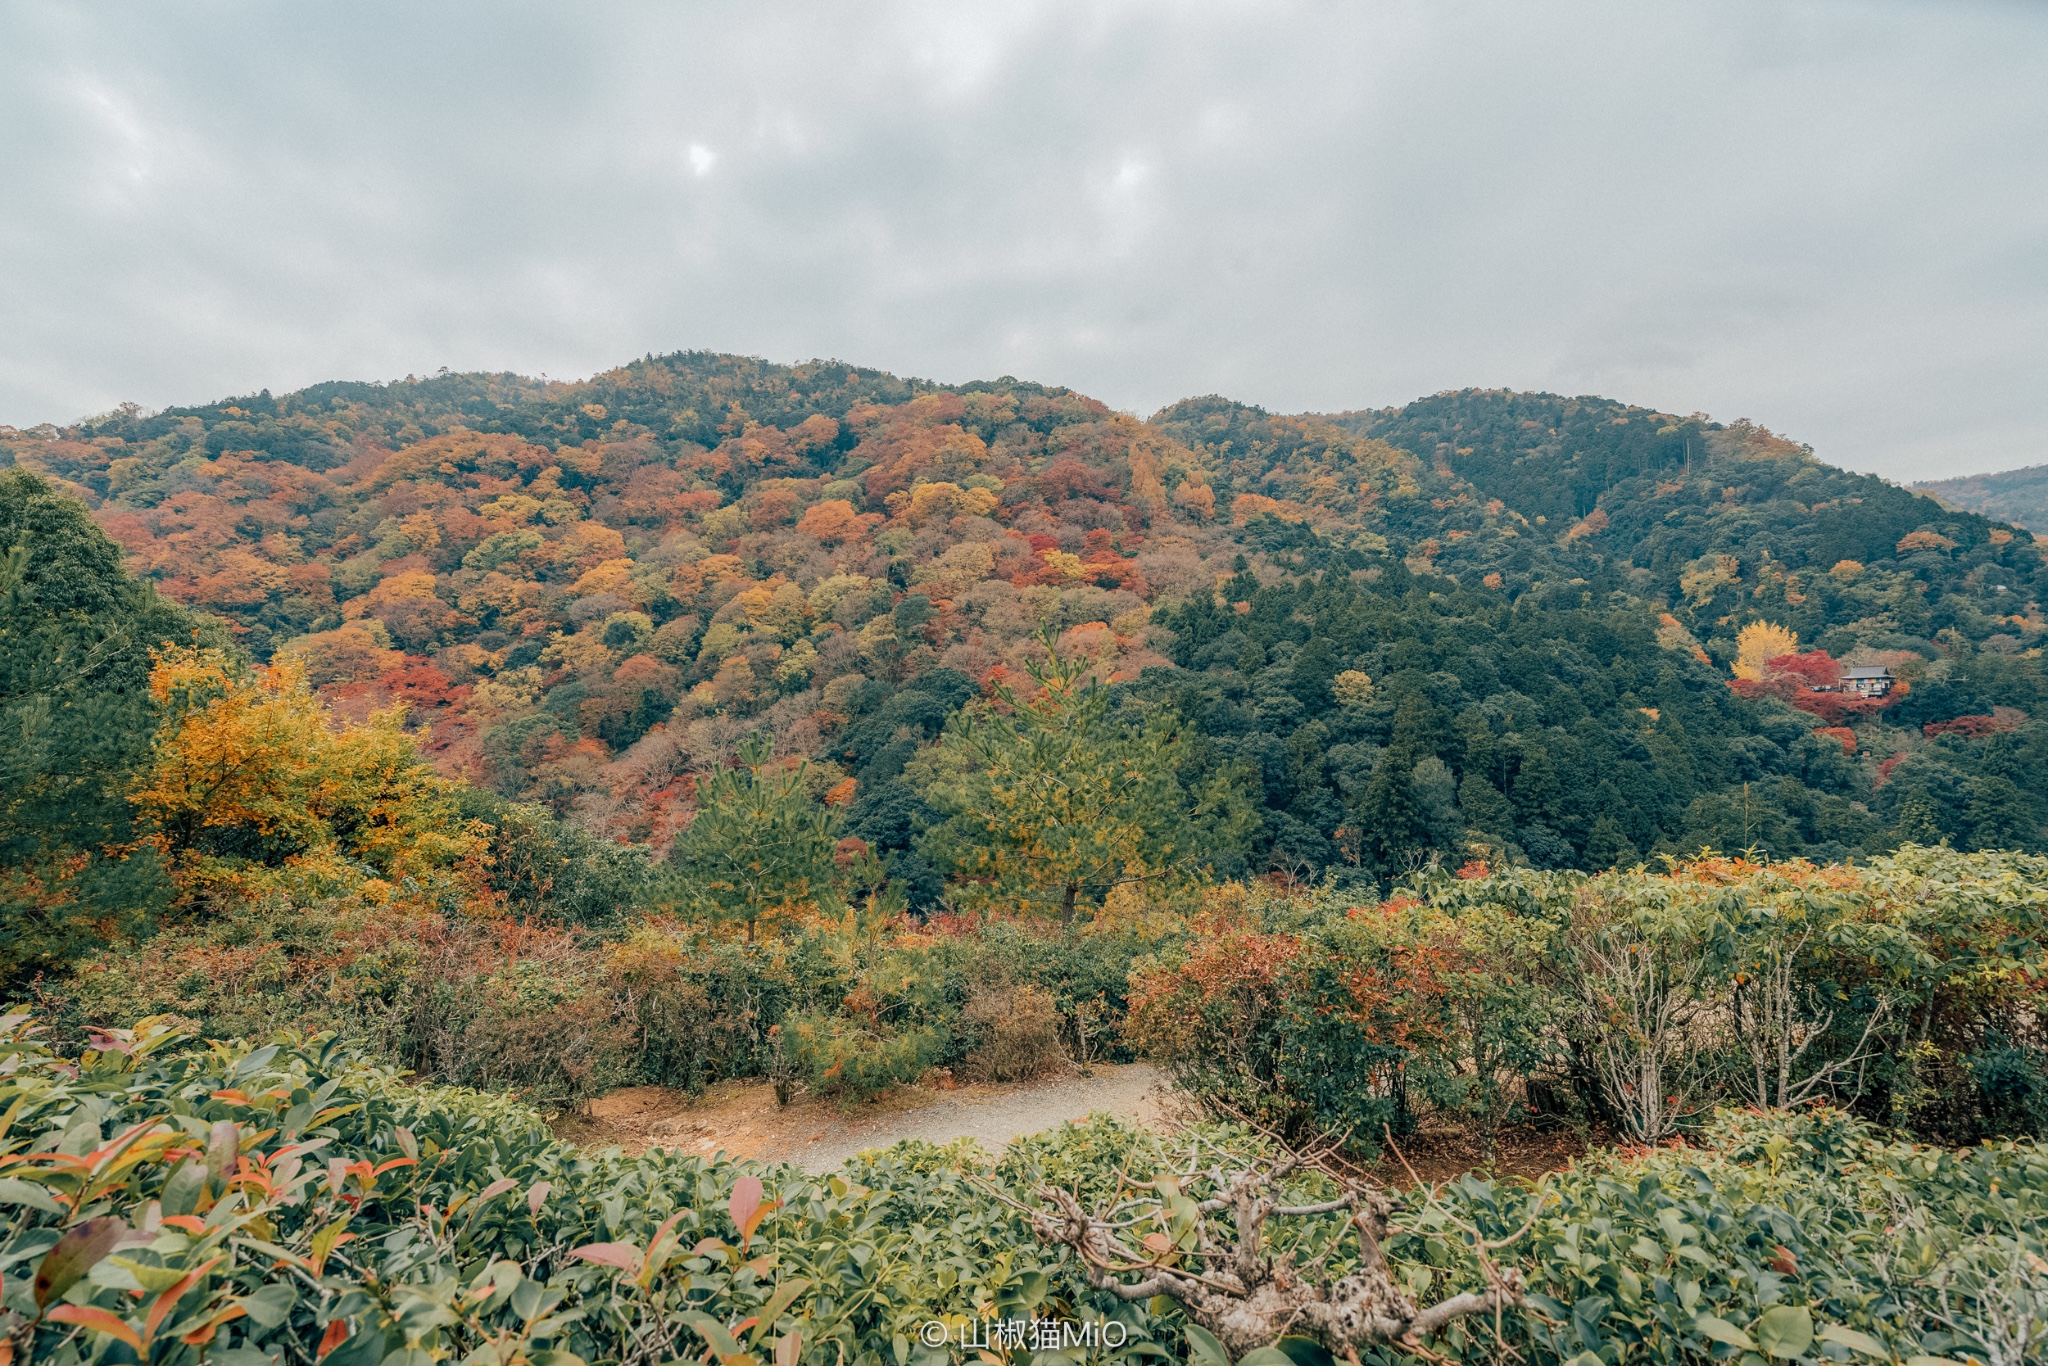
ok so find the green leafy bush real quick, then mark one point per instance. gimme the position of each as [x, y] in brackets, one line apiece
[835, 1056]
[1908, 989]
[1799, 1237]
[291, 1197]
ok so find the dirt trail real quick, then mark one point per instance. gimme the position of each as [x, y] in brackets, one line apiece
[743, 1120]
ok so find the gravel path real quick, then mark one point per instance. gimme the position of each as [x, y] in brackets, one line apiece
[743, 1120]
[990, 1115]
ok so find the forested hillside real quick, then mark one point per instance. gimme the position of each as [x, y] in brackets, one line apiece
[716, 720]
[1527, 605]
[2016, 496]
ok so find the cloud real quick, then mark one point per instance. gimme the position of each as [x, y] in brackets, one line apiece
[1825, 217]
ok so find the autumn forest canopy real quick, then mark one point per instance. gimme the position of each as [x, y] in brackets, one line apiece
[715, 719]
[1494, 614]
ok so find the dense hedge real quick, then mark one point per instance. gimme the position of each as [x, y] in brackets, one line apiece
[174, 1203]
[1908, 989]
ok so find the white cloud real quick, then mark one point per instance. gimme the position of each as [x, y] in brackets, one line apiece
[1826, 217]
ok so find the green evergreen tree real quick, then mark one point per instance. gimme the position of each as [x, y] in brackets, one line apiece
[1608, 845]
[1482, 752]
[1536, 788]
[2002, 816]
[1390, 818]
[1918, 821]
[1485, 809]
[1057, 798]
[760, 844]
[75, 727]
[1419, 729]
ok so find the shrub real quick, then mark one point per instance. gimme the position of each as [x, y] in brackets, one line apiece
[704, 1007]
[1879, 987]
[232, 1174]
[551, 1041]
[1019, 1032]
[1305, 1031]
[2012, 1081]
[293, 1200]
[834, 1056]
[545, 868]
[1215, 1018]
[1910, 989]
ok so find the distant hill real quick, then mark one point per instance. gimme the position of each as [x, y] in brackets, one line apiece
[2016, 496]
[1481, 614]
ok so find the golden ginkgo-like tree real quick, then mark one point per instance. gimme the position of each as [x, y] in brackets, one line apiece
[254, 785]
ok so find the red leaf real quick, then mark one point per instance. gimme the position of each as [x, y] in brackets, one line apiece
[168, 1301]
[746, 1199]
[99, 1320]
[666, 1225]
[336, 1334]
[624, 1256]
[203, 1334]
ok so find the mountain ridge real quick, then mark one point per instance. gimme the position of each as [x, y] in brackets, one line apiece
[2019, 497]
[591, 590]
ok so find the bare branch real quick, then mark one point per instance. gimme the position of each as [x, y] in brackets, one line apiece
[1248, 1296]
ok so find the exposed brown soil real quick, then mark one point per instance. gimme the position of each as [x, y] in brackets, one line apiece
[1446, 1154]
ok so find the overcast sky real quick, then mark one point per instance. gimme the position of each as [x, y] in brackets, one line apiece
[1830, 218]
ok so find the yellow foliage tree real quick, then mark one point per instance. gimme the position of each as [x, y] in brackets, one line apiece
[1352, 688]
[1760, 641]
[254, 787]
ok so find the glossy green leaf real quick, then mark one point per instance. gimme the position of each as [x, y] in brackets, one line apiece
[1720, 1330]
[1854, 1341]
[1204, 1348]
[1784, 1330]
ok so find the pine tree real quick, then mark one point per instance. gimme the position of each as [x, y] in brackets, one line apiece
[760, 845]
[1057, 798]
